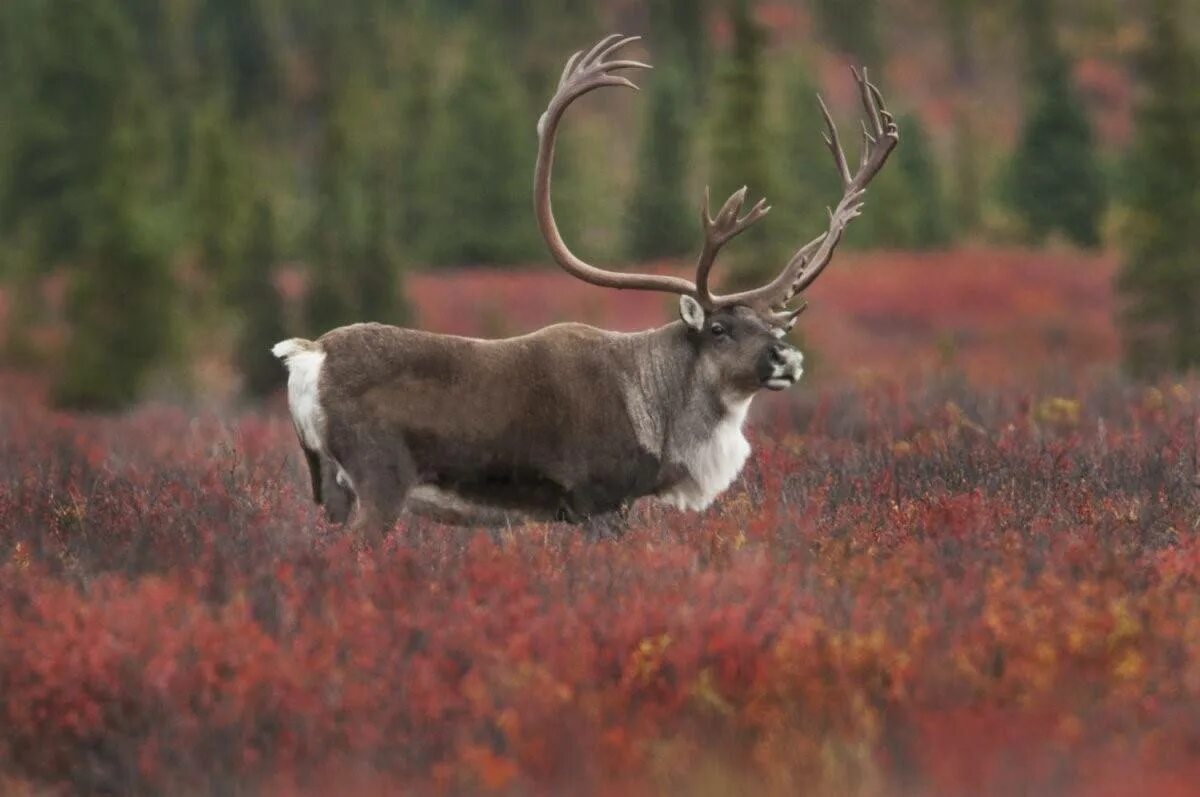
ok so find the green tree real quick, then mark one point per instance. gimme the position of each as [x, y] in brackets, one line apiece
[809, 181]
[853, 27]
[259, 306]
[81, 62]
[1055, 182]
[217, 191]
[1160, 277]
[478, 170]
[333, 298]
[679, 27]
[918, 171]
[119, 307]
[661, 222]
[739, 141]
[380, 268]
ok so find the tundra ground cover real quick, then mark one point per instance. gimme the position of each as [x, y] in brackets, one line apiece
[924, 589]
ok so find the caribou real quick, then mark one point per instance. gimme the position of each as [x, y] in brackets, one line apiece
[568, 423]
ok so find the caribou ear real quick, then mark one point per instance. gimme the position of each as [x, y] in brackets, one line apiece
[691, 312]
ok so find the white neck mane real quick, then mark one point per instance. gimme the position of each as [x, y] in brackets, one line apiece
[712, 464]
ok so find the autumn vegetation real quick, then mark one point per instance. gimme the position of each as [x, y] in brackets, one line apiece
[917, 588]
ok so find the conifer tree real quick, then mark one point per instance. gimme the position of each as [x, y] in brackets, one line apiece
[477, 172]
[259, 306]
[1160, 276]
[379, 282]
[120, 297]
[661, 222]
[917, 169]
[739, 140]
[853, 27]
[1055, 183]
[333, 297]
[81, 62]
[809, 181]
[216, 191]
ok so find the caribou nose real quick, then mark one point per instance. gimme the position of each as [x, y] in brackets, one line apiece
[779, 354]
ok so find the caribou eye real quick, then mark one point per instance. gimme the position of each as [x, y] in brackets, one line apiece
[718, 330]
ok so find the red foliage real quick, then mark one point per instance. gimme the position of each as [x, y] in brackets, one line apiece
[916, 589]
[1001, 316]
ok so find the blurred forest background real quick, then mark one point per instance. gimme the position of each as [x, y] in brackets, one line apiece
[184, 182]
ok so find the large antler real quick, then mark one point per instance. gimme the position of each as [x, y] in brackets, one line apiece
[583, 73]
[880, 137]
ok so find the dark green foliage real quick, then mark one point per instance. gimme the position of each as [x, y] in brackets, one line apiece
[809, 182]
[478, 170]
[1160, 276]
[337, 232]
[917, 168]
[661, 222]
[217, 191]
[119, 308]
[81, 64]
[259, 306]
[1055, 182]
[678, 30]
[853, 27]
[739, 144]
[379, 267]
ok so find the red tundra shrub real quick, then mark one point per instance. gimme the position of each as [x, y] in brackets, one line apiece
[920, 589]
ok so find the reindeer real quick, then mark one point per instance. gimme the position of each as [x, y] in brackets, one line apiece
[568, 423]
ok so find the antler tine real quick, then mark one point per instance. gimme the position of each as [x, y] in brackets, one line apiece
[719, 231]
[833, 141]
[586, 71]
[880, 137]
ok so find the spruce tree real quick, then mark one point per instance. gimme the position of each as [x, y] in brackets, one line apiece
[1055, 183]
[333, 298]
[809, 181]
[739, 142]
[259, 306]
[478, 169]
[917, 169]
[379, 267]
[661, 222]
[1160, 277]
[853, 27]
[80, 61]
[217, 189]
[120, 297]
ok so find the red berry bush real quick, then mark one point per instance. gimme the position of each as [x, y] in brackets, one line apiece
[920, 589]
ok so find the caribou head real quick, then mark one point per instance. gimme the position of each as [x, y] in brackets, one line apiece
[569, 422]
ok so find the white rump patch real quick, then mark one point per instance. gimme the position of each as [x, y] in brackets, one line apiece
[304, 360]
[713, 464]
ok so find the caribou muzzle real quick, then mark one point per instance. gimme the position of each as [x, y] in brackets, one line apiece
[781, 367]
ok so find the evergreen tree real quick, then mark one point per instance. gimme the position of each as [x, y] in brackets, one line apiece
[333, 298]
[661, 222]
[958, 17]
[1055, 179]
[379, 269]
[81, 62]
[217, 191]
[809, 179]
[739, 146]
[918, 171]
[478, 170]
[120, 299]
[259, 306]
[853, 28]
[679, 27]
[1160, 277]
